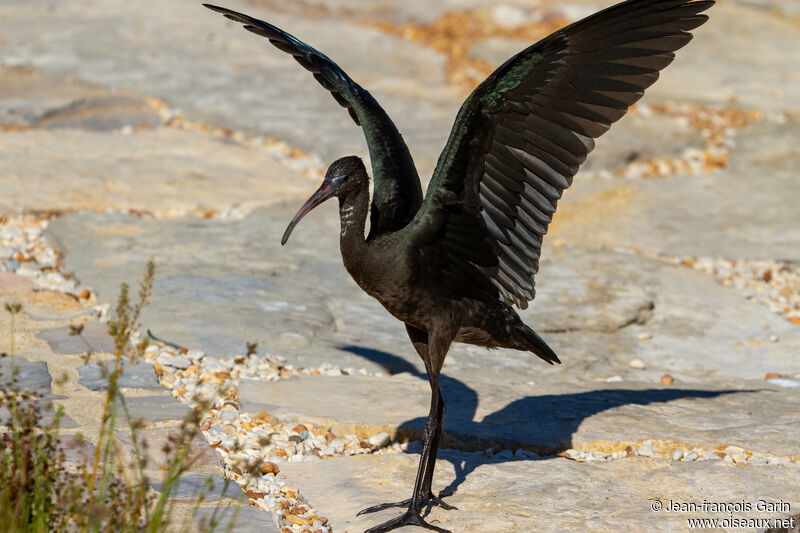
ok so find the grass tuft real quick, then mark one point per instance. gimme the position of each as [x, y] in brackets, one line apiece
[107, 490]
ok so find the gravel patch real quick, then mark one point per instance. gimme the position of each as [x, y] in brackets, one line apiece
[675, 451]
[26, 253]
[253, 447]
[774, 284]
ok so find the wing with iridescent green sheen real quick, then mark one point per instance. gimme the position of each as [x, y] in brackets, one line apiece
[397, 193]
[521, 136]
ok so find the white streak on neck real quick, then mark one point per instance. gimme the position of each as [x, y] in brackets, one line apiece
[346, 215]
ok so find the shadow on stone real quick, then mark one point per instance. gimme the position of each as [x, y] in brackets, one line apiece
[389, 362]
[556, 416]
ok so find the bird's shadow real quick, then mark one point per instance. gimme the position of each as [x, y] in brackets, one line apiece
[555, 419]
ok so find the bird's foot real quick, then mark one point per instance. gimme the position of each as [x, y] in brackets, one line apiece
[410, 518]
[431, 499]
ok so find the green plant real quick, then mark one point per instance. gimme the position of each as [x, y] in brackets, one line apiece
[105, 491]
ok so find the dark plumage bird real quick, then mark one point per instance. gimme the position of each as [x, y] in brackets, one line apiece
[452, 265]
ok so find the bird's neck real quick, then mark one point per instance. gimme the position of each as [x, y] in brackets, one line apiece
[353, 216]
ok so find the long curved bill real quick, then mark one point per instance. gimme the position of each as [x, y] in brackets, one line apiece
[325, 191]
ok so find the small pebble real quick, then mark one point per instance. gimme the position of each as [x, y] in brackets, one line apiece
[228, 416]
[691, 456]
[738, 457]
[783, 382]
[269, 468]
[646, 450]
[505, 455]
[644, 336]
[380, 440]
[677, 455]
[289, 491]
[666, 379]
[637, 364]
[179, 361]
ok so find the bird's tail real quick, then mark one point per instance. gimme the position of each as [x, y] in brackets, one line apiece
[532, 342]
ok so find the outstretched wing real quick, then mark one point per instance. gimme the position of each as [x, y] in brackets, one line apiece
[397, 192]
[520, 137]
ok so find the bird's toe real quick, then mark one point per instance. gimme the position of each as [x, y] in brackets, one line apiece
[382, 506]
[430, 500]
[409, 518]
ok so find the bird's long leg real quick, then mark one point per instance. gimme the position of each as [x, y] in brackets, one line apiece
[431, 464]
[434, 356]
[419, 339]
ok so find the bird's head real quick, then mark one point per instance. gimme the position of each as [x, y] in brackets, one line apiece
[344, 177]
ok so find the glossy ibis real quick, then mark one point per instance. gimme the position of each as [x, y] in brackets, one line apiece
[452, 265]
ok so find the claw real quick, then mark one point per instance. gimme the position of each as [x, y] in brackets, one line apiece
[409, 518]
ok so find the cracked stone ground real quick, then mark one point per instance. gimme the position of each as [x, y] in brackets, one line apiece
[155, 129]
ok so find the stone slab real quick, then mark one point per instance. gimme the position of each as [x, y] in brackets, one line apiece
[140, 375]
[154, 408]
[699, 215]
[245, 518]
[101, 114]
[540, 495]
[696, 329]
[46, 415]
[204, 459]
[219, 284]
[30, 375]
[25, 94]
[205, 487]
[550, 418]
[166, 171]
[235, 78]
[76, 449]
[34, 377]
[94, 337]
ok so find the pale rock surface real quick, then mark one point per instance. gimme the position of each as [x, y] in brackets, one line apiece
[540, 495]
